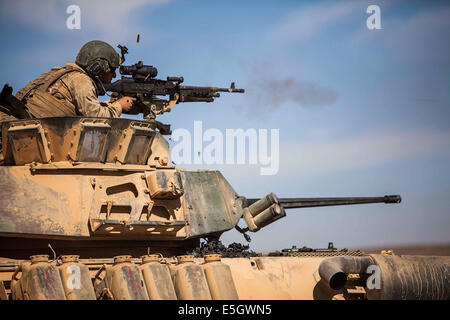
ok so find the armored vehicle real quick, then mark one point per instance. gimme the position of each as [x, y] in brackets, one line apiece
[119, 221]
[103, 192]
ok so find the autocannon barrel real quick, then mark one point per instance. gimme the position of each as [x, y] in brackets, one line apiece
[292, 203]
[260, 212]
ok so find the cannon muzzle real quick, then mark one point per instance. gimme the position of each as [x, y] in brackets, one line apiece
[262, 212]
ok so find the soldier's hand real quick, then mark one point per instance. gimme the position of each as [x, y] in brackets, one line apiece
[126, 103]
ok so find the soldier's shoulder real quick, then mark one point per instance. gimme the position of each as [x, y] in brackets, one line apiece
[78, 77]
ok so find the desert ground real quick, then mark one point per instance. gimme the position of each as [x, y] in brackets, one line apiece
[417, 249]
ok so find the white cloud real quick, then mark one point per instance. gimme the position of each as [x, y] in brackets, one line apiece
[422, 35]
[331, 155]
[310, 20]
[117, 19]
[324, 154]
[112, 19]
[43, 15]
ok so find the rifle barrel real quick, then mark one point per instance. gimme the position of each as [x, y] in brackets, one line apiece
[196, 99]
[214, 89]
[230, 90]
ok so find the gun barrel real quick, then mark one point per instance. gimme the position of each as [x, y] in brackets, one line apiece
[195, 99]
[258, 213]
[230, 90]
[292, 203]
[213, 89]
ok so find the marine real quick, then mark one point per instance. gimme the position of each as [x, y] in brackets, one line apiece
[73, 90]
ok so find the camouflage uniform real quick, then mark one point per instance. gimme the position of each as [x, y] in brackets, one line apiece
[66, 91]
[5, 115]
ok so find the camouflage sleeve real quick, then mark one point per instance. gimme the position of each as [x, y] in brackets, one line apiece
[85, 98]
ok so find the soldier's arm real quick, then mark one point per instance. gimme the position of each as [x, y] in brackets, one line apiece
[85, 98]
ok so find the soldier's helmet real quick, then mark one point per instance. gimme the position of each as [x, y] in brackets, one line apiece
[97, 57]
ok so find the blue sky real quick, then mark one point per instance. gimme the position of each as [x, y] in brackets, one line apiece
[367, 112]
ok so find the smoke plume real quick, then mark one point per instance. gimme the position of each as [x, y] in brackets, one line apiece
[273, 93]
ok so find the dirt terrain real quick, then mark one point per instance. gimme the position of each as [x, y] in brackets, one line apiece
[426, 250]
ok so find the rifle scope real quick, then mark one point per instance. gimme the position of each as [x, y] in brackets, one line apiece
[139, 70]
